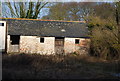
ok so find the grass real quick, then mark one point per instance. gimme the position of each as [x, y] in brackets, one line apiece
[25, 66]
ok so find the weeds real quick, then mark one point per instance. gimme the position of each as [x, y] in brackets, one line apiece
[24, 66]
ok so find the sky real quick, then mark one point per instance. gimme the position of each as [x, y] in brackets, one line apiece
[45, 11]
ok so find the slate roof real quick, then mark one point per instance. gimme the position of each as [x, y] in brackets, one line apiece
[46, 28]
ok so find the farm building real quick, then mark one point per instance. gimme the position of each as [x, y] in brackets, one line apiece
[43, 36]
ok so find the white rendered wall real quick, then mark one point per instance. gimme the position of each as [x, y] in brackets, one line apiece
[2, 36]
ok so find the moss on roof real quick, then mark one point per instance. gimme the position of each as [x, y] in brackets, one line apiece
[29, 27]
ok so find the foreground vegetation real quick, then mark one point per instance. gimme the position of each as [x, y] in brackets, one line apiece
[26, 66]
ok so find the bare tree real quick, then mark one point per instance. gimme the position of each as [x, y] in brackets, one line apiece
[70, 11]
[29, 9]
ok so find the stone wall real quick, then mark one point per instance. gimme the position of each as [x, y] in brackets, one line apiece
[8, 43]
[10, 47]
[81, 48]
[32, 44]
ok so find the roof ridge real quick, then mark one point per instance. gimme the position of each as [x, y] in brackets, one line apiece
[43, 20]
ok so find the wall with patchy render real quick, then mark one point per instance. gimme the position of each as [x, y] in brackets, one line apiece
[81, 48]
[10, 47]
[32, 44]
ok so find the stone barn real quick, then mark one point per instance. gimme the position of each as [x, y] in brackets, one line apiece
[43, 36]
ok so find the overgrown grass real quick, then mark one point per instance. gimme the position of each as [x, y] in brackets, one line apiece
[25, 66]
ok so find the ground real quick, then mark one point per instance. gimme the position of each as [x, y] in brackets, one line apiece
[25, 66]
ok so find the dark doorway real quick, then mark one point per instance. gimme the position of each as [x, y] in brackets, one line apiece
[59, 45]
[14, 40]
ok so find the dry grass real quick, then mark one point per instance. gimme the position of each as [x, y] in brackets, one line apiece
[24, 66]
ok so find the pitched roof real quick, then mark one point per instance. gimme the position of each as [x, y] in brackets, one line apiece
[55, 28]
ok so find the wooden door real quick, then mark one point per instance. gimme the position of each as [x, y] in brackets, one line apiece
[59, 45]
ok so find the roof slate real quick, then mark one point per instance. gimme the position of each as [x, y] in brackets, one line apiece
[46, 28]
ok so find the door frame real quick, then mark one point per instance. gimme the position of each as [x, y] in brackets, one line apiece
[15, 44]
[63, 40]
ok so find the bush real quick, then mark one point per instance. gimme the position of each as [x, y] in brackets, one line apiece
[104, 38]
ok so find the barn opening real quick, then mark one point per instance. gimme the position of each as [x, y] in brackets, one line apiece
[59, 45]
[15, 39]
[42, 40]
[77, 41]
